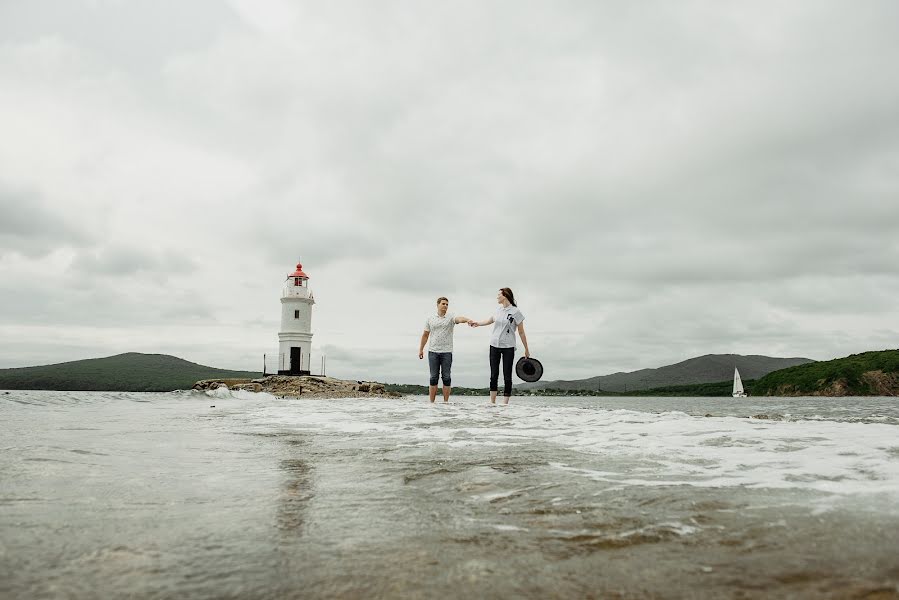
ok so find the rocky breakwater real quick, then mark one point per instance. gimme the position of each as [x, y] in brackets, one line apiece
[303, 386]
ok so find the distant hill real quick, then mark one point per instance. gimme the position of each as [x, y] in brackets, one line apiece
[130, 372]
[711, 368]
[866, 374]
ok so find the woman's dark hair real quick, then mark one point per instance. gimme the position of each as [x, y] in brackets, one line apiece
[507, 292]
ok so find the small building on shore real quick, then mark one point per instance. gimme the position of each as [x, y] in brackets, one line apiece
[295, 336]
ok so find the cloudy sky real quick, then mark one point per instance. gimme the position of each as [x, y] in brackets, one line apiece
[654, 180]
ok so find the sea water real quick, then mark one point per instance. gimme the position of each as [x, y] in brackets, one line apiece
[241, 495]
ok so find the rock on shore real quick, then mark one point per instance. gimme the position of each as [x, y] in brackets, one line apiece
[302, 386]
[876, 383]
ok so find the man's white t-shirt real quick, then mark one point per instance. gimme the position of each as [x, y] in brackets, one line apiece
[441, 328]
[505, 321]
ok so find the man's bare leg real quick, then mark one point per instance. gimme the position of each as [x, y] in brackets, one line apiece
[446, 393]
[432, 392]
[492, 397]
[506, 399]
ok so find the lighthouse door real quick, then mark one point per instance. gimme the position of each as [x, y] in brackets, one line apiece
[296, 364]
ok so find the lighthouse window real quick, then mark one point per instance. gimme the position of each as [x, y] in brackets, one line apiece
[298, 282]
[296, 314]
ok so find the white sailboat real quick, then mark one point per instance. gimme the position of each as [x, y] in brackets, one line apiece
[738, 385]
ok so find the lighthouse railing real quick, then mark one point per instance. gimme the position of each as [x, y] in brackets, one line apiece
[274, 362]
[271, 363]
[295, 292]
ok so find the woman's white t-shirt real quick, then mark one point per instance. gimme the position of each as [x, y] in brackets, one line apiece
[505, 322]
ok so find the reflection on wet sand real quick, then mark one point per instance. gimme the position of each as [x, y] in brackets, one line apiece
[296, 491]
[316, 499]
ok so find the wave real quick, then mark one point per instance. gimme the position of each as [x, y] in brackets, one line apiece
[635, 448]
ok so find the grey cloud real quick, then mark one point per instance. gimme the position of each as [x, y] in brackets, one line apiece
[123, 261]
[30, 228]
[34, 352]
[833, 296]
[58, 301]
[685, 178]
[137, 35]
[402, 365]
[362, 364]
[442, 266]
[291, 213]
[319, 248]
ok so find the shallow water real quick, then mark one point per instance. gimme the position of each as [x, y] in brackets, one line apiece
[165, 496]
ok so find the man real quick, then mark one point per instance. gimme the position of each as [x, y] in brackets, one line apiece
[439, 328]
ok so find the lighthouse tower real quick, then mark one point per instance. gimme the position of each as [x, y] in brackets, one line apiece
[295, 337]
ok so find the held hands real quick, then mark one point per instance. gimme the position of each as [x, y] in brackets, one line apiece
[472, 323]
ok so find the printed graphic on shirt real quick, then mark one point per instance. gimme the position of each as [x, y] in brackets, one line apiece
[505, 324]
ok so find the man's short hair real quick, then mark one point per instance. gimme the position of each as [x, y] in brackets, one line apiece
[442, 298]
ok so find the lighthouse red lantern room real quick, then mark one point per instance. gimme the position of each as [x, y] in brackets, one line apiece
[295, 337]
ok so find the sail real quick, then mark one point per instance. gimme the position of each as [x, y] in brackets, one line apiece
[738, 383]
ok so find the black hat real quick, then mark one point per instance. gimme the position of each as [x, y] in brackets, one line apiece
[529, 369]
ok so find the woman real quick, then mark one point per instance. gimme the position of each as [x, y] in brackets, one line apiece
[507, 320]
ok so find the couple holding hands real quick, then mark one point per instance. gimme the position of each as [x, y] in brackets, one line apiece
[439, 328]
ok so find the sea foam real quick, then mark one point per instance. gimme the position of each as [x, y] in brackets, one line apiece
[666, 448]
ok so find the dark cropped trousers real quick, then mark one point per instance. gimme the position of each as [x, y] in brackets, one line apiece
[441, 363]
[508, 355]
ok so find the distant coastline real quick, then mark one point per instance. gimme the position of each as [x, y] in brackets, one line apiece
[873, 373]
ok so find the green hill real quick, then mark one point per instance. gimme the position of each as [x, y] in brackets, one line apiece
[711, 368]
[866, 374]
[129, 372]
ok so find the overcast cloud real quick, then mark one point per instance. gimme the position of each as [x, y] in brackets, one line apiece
[654, 180]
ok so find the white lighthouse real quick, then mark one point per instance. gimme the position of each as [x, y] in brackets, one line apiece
[295, 337]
